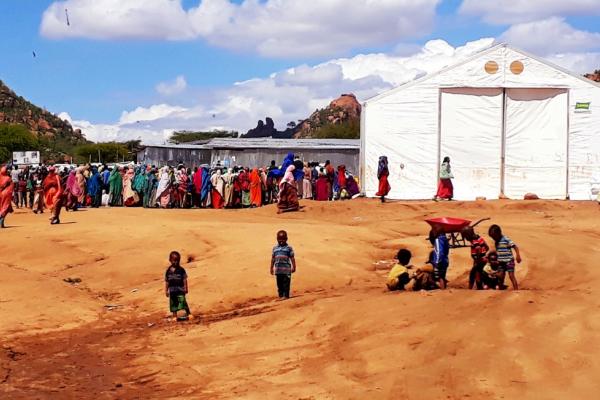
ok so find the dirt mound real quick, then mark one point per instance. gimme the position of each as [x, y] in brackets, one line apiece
[342, 335]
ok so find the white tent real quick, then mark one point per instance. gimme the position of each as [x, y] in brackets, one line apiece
[510, 122]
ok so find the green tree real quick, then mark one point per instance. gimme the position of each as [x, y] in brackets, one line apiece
[103, 152]
[188, 136]
[14, 137]
[345, 130]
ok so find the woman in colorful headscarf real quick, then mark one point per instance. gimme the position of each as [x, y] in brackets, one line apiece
[115, 185]
[72, 192]
[151, 186]
[197, 184]
[162, 196]
[80, 181]
[182, 187]
[306, 183]
[130, 197]
[244, 179]
[382, 174]
[255, 189]
[53, 194]
[322, 186]
[218, 189]
[139, 183]
[445, 188]
[205, 192]
[6, 195]
[228, 192]
[288, 194]
[94, 188]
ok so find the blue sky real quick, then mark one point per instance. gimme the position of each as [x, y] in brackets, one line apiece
[96, 72]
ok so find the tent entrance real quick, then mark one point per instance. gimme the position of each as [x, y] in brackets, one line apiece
[471, 135]
[511, 141]
[536, 135]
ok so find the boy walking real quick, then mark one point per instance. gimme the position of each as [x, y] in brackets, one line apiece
[283, 265]
[506, 260]
[176, 286]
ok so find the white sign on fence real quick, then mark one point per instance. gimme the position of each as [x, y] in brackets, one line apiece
[26, 157]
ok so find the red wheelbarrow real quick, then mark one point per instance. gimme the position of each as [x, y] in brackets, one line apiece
[453, 228]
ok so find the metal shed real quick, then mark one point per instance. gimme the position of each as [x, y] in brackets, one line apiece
[188, 155]
[260, 152]
[254, 152]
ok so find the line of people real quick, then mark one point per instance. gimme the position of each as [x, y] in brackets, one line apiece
[169, 187]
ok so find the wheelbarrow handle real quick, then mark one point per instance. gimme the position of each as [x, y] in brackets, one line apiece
[480, 221]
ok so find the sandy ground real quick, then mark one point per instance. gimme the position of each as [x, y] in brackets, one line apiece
[341, 336]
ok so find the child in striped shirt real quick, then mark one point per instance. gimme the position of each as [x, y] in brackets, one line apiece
[506, 259]
[283, 265]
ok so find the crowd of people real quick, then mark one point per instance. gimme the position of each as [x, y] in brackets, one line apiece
[50, 188]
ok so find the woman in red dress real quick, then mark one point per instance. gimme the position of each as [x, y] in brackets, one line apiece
[382, 174]
[445, 189]
[6, 194]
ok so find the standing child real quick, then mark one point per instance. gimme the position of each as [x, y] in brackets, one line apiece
[283, 265]
[506, 259]
[399, 275]
[479, 248]
[176, 286]
[441, 251]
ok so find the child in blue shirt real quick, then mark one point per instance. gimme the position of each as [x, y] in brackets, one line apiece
[441, 251]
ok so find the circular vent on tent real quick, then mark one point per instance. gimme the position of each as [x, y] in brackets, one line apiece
[491, 67]
[516, 67]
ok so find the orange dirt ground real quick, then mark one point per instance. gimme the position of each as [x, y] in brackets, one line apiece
[341, 336]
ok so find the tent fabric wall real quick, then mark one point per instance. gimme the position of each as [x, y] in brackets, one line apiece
[404, 123]
[406, 132]
[471, 135]
[536, 143]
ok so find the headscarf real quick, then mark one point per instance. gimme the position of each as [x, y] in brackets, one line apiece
[93, 185]
[206, 186]
[163, 183]
[287, 161]
[218, 182]
[382, 168]
[342, 176]
[289, 176]
[72, 185]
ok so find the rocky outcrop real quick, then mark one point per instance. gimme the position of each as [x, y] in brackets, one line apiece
[594, 76]
[344, 110]
[15, 109]
[263, 129]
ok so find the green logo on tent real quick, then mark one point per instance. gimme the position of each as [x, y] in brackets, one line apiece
[582, 106]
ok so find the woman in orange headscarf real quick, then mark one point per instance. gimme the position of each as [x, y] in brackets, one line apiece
[6, 194]
[255, 189]
[53, 194]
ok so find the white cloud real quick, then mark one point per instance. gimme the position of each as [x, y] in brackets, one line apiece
[517, 11]
[577, 62]
[152, 113]
[171, 88]
[552, 35]
[284, 96]
[295, 93]
[274, 28]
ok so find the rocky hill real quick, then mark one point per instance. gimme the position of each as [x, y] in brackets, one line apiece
[340, 119]
[342, 114]
[595, 76]
[57, 136]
